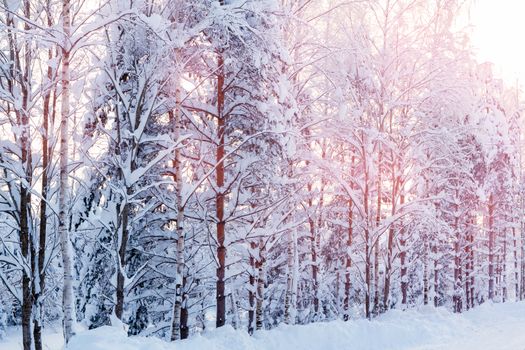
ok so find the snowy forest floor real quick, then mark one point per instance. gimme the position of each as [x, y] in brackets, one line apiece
[488, 327]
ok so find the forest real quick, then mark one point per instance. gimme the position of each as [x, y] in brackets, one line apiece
[172, 166]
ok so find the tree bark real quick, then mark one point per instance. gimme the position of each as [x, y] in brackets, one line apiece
[122, 245]
[219, 199]
[366, 218]
[180, 277]
[348, 256]
[515, 258]
[390, 239]
[402, 258]
[457, 260]
[252, 293]
[26, 247]
[313, 250]
[469, 265]
[503, 272]
[436, 275]
[42, 241]
[290, 296]
[67, 290]
[491, 246]
[259, 316]
[377, 306]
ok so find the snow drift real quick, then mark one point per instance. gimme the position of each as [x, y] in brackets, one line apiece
[488, 327]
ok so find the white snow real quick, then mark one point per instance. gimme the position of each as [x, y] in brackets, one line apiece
[488, 327]
[53, 339]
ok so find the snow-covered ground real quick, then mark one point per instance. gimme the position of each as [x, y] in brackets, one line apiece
[488, 327]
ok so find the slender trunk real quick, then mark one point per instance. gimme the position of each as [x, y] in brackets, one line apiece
[515, 258]
[20, 73]
[348, 255]
[491, 246]
[348, 264]
[436, 274]
[471, 259]
[260, 287]
[503, 272]
[221, 249]
[425, 275]
[234, 301]
[37, 323]
[184, 329]
[388, 268]
[290, 296]
[67, 262]
[27, 302]
[367, 257]
[469, 267]
[522, 249]
[315, 268]
[390, 247]
[180, 277]
[252, 292]
[368, 250]
[377, 307]
[123, 242]
[457, 278]
[337, 292]
[402, 258]
[313, 226]
[28, 240]
[179, 286]
[26, 243]
[457, 261]
[316, 243]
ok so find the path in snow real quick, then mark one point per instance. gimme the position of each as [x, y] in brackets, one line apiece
[488, 327]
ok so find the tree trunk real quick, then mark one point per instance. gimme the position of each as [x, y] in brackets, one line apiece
[471, 259]
[368, 251]
[184, 329]
[219, 199]
[436, 275]
[42, 241]
[123, 242]
[20, 72]
[515, 258]
[491, 246]
[377, 307]
[67, 261]
[503, 272]
[260, 287]
[522, 248]
[390, 243]
[469, 265]
[180, 277]
[252, 293]
[348, 255]
[402, 258]
[25, 242]
[290, 296]
[425, 275]
[313, 249]
[313, 252]
[457, 260]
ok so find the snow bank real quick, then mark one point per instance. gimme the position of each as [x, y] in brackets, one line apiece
[488, 327]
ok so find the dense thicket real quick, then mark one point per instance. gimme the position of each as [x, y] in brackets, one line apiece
[179, 165]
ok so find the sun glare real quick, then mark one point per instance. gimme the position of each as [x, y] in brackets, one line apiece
[497, 35]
